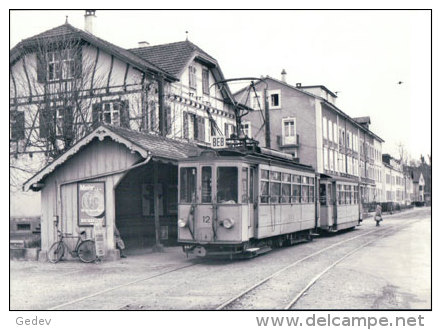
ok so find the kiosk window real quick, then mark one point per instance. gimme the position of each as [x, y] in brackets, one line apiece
[188, 185]
[227, 184]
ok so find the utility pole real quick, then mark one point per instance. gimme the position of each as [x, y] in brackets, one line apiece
[267, 119]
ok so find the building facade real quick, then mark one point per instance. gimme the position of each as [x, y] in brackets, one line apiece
[89, 115]
[305, 122]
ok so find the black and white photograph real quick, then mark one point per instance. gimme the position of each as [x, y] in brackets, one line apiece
[221, 162]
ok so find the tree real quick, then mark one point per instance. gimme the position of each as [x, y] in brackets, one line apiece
[56, 98]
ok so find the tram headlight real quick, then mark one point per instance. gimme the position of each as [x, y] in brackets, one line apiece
[182, 223]
[228, 223]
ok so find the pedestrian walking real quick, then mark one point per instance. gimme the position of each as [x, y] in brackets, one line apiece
[378, 217]
[119, 243]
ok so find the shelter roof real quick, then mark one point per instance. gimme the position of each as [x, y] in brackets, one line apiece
[145, 144]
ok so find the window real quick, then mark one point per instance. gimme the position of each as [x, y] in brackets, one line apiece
[289, 131]
[59, 121]
[325, 128]
[227, 179]
[205, 82]
[246, 129]
[228, 129]
[256, 101]
[286, 188]
[274, 99]
[23, 226]
[275, 186]
[264, 186]
[194, 127]
[114, 113]
[17, 122]
[192, 77]
[188, 185]
[325, 158]
[330, 134]
[296, 189]
[335, 133]
[60, 64]
[331, 160]
[206, 184]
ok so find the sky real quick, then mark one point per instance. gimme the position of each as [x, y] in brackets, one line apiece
[361, 54]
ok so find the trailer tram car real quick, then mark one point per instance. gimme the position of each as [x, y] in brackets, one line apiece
[340, 206]
[244, 201]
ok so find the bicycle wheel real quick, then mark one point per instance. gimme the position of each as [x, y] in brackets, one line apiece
[56, 252]
[86, 251]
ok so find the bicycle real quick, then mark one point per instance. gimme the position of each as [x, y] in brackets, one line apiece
[84, 248]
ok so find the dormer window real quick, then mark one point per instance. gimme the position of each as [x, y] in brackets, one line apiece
[192, 77]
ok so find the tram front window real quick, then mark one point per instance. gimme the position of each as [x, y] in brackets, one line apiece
[227, 185]
[188, 185]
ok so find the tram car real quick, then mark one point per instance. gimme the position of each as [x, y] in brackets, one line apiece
[340, 206]
[246, 200]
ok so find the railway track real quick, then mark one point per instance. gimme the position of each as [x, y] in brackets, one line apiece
[98, 293]
[235, 301]
[253, 293]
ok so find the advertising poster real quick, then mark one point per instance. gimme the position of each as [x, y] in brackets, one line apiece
[91, 203]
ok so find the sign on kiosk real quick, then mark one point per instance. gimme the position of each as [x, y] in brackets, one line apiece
[91, 203]
[218, 142]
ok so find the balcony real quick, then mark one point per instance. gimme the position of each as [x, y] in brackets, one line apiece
[288, 141]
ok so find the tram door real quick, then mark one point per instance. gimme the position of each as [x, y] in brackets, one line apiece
[252, 201]
[327, 208]
[333, 201]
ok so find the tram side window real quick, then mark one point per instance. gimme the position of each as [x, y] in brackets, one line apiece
[227, 185]
[305, 190]
[322, 194]
[356, 197]
[206, 184]
[296, 189]
[311, 191]
[286, 188]
[275, 187]
[188, 185]
[340, 194]
[264, 186]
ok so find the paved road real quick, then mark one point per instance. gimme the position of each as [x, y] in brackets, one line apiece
[393, 272]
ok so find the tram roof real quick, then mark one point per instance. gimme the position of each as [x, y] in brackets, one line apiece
[259, 155]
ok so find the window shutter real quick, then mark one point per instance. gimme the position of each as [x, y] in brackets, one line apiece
[201, 136]
[78, 61]
[41, 67]
[196, 126]
[96, 109]
[46, 123]
[125, 114]
[68, 123]
[17, 125]
[185, 124]
[152, 106]
[168, 123]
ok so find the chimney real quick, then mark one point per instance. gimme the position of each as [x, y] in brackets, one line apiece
[89, 19]
[283, 75]
[143, 44]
